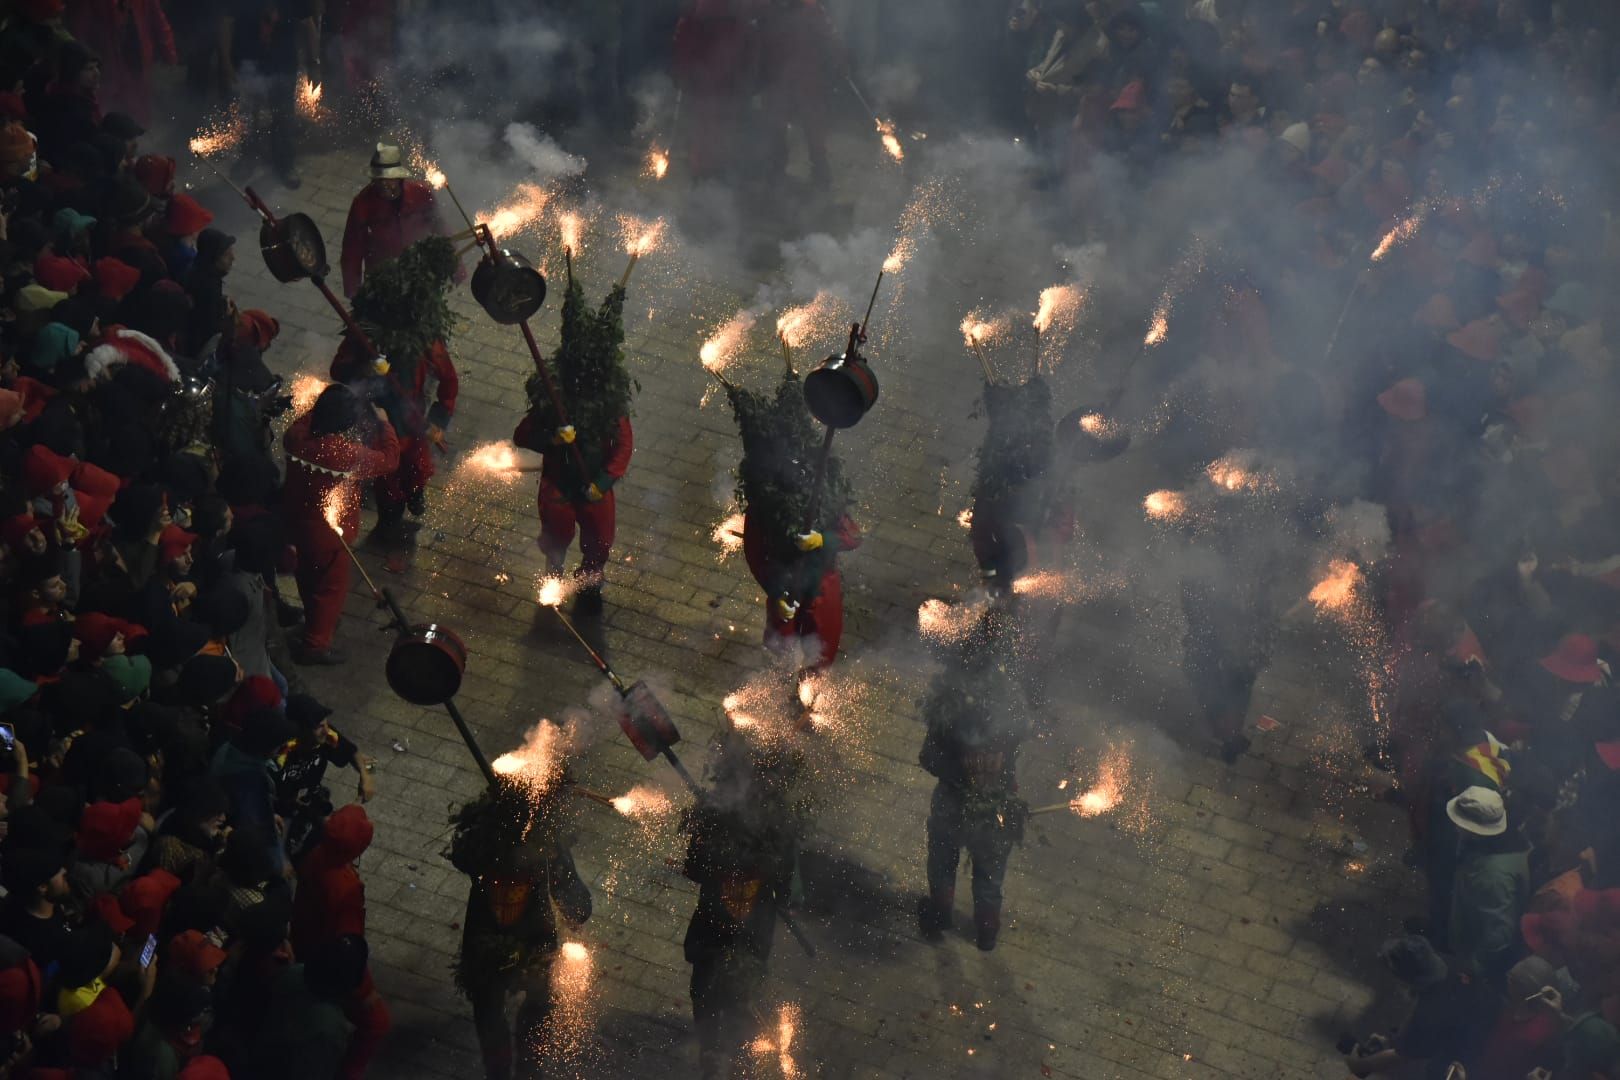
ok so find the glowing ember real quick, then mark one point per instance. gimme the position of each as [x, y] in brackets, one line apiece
[332, 508]
[1060, 304]
[1231, 474]
[729, 534]
[1400, 234]
[575, 953]
[797, 325]
[570, 228]
[976, 331]
[642, 801]
[538, 763]
[1095, 424]
[552, 592]
[305, 389]
[1164, 505]
[945, 622]
[904, 249]
[1114, 775]
[807, 691]
[891, 141]
[657, 164]
[1339, 589]
[218, 136]
[641, 237]
[1160, 329]
[965, 518]
[496, 459]
[521, 210]
[309, 98]
[726, 343]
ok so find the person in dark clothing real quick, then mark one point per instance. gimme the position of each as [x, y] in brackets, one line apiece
[246, 767]
[211, 310]
[511, 843]
[305, 1033]
[301, 795]
[260, 46]
[36, 887]
[1447, 1021]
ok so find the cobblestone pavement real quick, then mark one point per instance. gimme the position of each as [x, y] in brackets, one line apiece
[1217, 925]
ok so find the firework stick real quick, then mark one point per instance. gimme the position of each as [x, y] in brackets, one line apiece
[376, 593]
[596, 657]
[860, 97]
[625, 279]
[984, 361]
[593, 796]
[798, 934]
[1054, 808]
[450, 191]
[1333, 340]
[870, 304]
[787, 353]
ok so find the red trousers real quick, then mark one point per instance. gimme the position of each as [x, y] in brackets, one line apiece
[415, 470]
[821, 618]
[595, 521]
[323, 580]
[372, 1021]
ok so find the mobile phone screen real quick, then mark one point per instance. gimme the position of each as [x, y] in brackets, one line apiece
[8, 737]
[149, 951]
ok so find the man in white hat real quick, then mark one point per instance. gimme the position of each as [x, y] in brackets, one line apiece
[389, 215]
[1492, 885]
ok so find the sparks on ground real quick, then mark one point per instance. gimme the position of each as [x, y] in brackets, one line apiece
[495, 459]
[964, 517]
[552, 591]
[729, 534]
[643, 801]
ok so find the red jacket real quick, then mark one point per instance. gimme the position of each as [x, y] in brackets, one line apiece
[317, 464]
[560, 470]
[777, 575]
[713, 48]
[379, 228]
[405, 394]
[331, 898]
[103, 26]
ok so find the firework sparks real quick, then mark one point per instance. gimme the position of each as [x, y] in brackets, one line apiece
[728, 534]
[891, 141]
[571, 230]
[945, 622]
[1340, 589]
[641, 237]
[976, 330]
[1165, 505]
[1400, 234]
[519, 212]
[305, 389]
[498, 459]
[657, 166]
[642, 802]
[1159, 329]
[430, 172]
[1234, 473]
[309, 98]
[779, 1041]
[568, 1034]
[1114, 774]
[538, 763]
[904, 249]
[726, 343]
[964, 517]
[551, 590]
[1098, 425]
[1047, 585]
[333, 506]
[815, 319]
[1059, 306]
[219, 135]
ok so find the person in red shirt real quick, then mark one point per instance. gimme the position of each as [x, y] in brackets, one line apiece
[389, 215]
[570, 500]
[800, 55]
[801, 614]
[328, 458]
[331, 903]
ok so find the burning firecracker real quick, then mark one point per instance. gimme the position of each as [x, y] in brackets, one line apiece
[552, 591]
[976, 330]
[657, 166]
[904, 249]
[820, 317]
[1165, 505]
[891, 141]
[1114, 774]
[1340, 589]
[1400, 234]
[1159, 329]
[538, 763]
[337, 501]
[1234, 473]
[779, 1042]
[726, 343]
[728, 534]
[430, 172]
[571, 230]
[641, 237]
[219, 135]
[519, 212]
[499, 459]
[309, 98]
[947, 623]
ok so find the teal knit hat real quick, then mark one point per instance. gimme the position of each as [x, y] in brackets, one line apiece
[53, 344]
[14, 689]
[132, 675]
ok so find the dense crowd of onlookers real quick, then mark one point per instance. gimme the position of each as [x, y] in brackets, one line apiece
[180, 897]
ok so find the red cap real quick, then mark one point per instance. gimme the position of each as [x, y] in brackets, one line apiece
[187, 216]
[115, 279]
[1549, 934]
[155, 172]
[1479, 340]
[12, 107]
[205, 1067]
[174, 542]
[106, 908]
[43, 469]
[191, 953]
[252, 694]
[59, 273]
[1405, 400]
[144, 899]
[1438, 313]
[19, 995]
[106, 828]
[1574, 660]
[95, 631]
[256, 328]
[96, 1033]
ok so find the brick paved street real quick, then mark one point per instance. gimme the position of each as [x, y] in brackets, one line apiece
[1218, 925]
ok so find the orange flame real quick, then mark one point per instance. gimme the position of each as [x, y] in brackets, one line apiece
[1059, 304]
[1114, 773]
[641, 237]
[332, 507]
[780, 1042]
[729, 534]
[1340, 588]
[570, 228]
[797, 325]
[1160, 329]
[430, 172]
[496, 459]
[552, 591]
[891, 141]
[964, 517]
[904, 249]
[538, 763]
[657, 164]
[945, 622]
[218, 136]
[1400, 234]
[1230, 474]
[1164, 505]
[309, 98]
[305, 389]
[521, 210]
[1096, 424]
[726, 343]
[976, 331]
[642, 801]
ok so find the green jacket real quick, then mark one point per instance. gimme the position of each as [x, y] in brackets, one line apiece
[1489, 895]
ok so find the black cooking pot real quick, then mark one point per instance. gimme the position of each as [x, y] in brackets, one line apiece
[509, 289]
[293, 248]
[645, 721]
[426, 664]
[841, 391]
[1089, 435]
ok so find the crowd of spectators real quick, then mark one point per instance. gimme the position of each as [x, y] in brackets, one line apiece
[180, 896]
[1468, 390]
